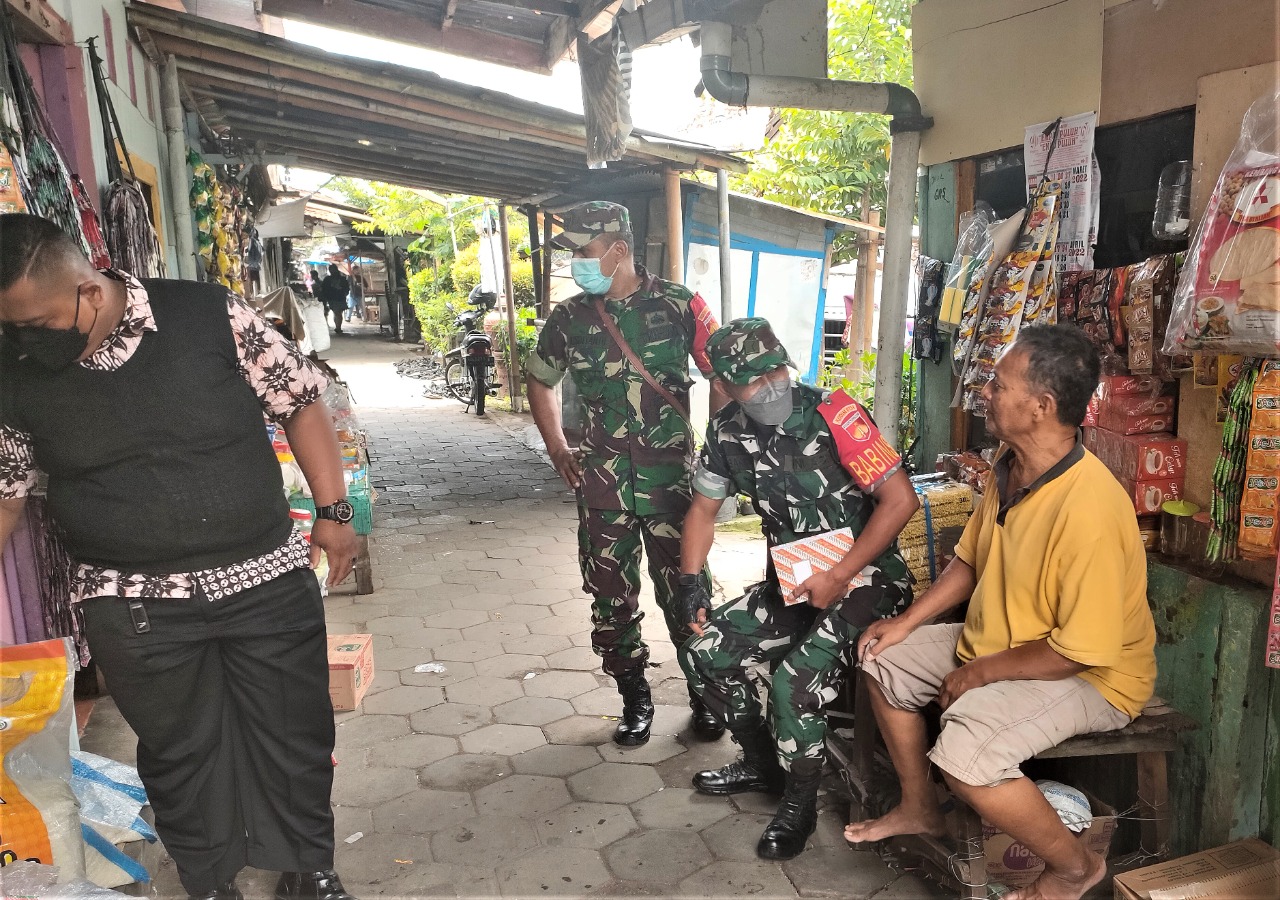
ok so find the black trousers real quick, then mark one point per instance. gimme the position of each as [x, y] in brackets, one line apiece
[230, 702]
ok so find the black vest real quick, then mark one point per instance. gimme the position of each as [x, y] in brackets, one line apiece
[162, 466]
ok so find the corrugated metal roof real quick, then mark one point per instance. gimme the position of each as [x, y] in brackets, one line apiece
[378, 121]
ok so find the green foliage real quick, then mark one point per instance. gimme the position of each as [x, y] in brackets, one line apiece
[823, 160]
[435, 309]
[465, 271]
[858, 380]
[526, 336]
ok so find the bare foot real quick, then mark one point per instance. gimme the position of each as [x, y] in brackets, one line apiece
[898, 820]
[1055, 886]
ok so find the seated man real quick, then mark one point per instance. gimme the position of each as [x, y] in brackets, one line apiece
[811, 461]
[1058, 640]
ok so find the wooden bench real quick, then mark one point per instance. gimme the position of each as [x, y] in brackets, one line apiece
[1149, 738]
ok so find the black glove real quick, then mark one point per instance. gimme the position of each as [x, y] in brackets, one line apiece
[691, 596]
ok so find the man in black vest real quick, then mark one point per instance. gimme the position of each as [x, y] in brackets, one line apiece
[143, 402]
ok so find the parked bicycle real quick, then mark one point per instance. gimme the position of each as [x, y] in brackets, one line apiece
[469, 366]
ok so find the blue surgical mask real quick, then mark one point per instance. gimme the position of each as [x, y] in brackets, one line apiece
[587, 275]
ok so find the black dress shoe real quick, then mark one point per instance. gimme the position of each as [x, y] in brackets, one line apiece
[226, 891]
[311, 886]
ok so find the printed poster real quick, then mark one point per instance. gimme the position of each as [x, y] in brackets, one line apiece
[1074, 165]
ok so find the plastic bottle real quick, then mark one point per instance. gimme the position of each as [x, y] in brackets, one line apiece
[1173, 202]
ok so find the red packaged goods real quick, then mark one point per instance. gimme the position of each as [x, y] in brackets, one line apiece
[1112, 385]
[1091, 412]
[1149, 496]
[1141, 457]
[1139, 405]
[1122, 423]
[1090, 440]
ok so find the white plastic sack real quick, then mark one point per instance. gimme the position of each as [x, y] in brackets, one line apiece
[317, 336]
[32, 880]
[1071, 806]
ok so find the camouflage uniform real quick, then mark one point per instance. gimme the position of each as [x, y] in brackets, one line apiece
[803, 480]
[635, 446]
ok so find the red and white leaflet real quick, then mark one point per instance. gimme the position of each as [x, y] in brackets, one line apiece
[1074, 166]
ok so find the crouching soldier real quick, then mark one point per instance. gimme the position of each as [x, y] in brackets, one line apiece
[811, 462]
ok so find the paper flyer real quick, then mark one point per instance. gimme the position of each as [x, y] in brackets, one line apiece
[1073, 164]
[797, 561]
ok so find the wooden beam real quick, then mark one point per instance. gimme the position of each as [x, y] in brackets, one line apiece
[566, 8]
[675, 225]
[560, 38]
[351, 15]
[450, 10]
[35, 22]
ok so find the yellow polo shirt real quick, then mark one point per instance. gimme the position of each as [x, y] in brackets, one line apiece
[1063, 561]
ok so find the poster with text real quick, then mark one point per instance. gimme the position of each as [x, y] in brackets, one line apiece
[1073, 164]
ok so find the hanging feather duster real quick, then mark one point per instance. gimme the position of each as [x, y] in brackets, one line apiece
[130, 234]
[98, 253]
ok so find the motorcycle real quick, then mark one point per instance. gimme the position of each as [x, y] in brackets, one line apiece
[468, 366]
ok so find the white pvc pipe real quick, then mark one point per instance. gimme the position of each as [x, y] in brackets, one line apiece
[894, 297]
[726, 234]
[179, 176]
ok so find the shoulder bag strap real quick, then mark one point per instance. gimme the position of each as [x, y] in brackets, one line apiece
[611, 327]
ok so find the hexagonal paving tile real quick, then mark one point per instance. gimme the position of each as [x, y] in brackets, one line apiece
[532, 710]
[564, 685]
[451, 718]
[347, 820]
[413, 752]
[576, 606]
[372, 786]
[522, 796]
[555, 760]
[588, 825]
[835, 872]
[437, 880]
[428, 638]
[484, 842]
[657, 856]
[755, 803]
[456, 618]
[537, 644]
[398, 658]
[380, 857]
[367, 731]
[603, 701]
[454, 672]
[505, 739]
[615, 783]
[526, 614]
[423, 812]
[585, 730]
[734, 836]
[681, 809]
[484, 690]
[562, 625]
[658, 748]
[543, 596]
[468, 651]
[553, 871]
[484, 602]
[392, 625]
[423, 605]
[580, 659]
[465, 771]
[404, 700]
[495, 631]
[511, 665]
[738, 879]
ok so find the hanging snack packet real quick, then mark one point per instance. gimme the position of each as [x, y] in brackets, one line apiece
[1228, 298]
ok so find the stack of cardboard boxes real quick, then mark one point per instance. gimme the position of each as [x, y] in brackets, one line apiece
[1129, 427]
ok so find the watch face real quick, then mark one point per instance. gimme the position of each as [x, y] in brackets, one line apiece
[344, 512]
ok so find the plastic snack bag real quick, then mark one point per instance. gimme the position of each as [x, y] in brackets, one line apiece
[973, 249]
[40, 818]
[1228, 298]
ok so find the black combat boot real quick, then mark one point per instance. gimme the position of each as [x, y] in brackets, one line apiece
[226, 891]
[797, 816]
[637, 709]
[705, 725]
[311, 886]
[756, 769]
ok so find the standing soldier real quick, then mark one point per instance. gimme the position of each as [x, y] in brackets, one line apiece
[626, 340]
[811, 462]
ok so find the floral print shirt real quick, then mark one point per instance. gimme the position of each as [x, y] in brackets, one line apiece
[285, 382]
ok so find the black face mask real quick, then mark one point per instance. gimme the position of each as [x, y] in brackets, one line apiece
[52, 348]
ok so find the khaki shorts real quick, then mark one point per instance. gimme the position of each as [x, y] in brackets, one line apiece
[990, 730]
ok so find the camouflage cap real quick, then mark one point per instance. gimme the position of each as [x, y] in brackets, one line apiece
[585, 222]
[745, 349]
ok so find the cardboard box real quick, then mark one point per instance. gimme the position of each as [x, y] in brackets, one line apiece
[350, 669]
[797, 561]
[1245, 870]
[1149, 496]
[1140, 457]
[1123, 385]
[1117, 420]
[1011, 863]
[1139, 405]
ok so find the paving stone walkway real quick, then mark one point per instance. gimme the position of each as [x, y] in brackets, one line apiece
[498, 777]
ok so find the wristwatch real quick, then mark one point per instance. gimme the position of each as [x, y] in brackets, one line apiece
[341, 512]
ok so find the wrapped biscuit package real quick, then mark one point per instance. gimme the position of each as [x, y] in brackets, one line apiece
[1259, 520]
[1228, 297]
